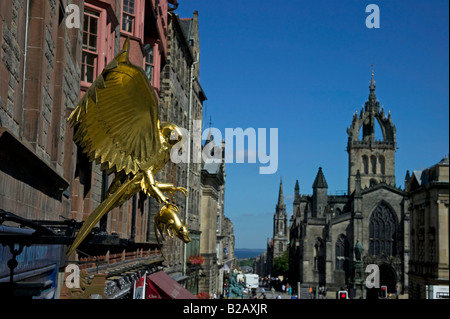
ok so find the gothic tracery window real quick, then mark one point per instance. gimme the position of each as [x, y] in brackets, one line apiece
[382, 231]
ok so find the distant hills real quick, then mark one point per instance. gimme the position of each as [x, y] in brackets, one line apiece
[243, 253]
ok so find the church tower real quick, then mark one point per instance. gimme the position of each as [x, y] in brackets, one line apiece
[280, 225]
[320, 197]
[374, 159]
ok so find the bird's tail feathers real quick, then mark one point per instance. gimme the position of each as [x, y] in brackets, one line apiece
[108, 204]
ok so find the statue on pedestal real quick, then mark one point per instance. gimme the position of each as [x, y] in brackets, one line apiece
[235, 287]
[358, 264]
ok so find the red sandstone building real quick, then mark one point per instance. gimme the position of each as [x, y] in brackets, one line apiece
[47, 185]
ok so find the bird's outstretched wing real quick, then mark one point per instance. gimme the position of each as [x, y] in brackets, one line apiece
[117, 119]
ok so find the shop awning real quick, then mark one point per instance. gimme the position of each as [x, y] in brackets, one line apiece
[163, 286]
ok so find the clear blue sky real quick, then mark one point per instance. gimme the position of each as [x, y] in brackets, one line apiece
[304, 67]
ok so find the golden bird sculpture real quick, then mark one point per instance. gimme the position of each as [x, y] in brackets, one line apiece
[117, 125]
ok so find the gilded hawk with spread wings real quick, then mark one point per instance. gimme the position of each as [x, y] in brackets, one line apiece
[117, 125]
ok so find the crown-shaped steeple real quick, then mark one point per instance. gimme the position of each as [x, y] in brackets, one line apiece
[373, 156]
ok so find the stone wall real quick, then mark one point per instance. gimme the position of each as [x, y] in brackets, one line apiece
[39, 85]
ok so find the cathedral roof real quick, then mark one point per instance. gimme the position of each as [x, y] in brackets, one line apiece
[320, 181]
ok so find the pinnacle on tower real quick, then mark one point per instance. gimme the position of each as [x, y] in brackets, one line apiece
[297, 192]
[280, 195]
[372, 104]
[320, 181]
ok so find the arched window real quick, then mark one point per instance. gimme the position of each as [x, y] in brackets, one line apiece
[373, 163]
[341, 252]
[382, 231]
[382, 164]
[365, 160]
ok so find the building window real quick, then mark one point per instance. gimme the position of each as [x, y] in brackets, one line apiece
[432, 244]
[421, 235]
[373, 161]
[218, 224]
[97, 41]
[365, 164]
[382, 164]
[90, 46]
[382, 231]
[128, 16]
[149, 63]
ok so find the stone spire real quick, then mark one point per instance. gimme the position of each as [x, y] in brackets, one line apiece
[280, 203]
[297, 192]
[372, 104]
[372, 88]
[320, 181]
[320, 198]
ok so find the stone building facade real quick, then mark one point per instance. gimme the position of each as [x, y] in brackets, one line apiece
[39, 85]
[325, 229]
[105, 27]
[46, 65]
[429, 202]
[227, 242]
[217, 237]
[183, 99]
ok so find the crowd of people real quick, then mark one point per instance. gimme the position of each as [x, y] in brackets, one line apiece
[274, 287]
[278, 288]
